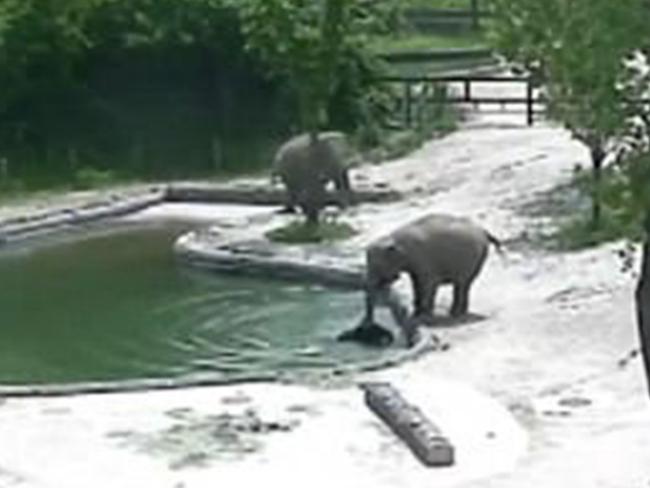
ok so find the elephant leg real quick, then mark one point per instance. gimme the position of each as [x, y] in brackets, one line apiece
[425, 313]
[372, 295]
[424, 294]
[292, 199]
[460, 302]
[423, 297]
[292, 196]
[342, 184]
[416, 287]
[312, 200]
[345, 180]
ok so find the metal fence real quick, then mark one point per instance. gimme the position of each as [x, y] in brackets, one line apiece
[416, 93]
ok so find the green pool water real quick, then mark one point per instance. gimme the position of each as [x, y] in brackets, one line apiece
[116, 305]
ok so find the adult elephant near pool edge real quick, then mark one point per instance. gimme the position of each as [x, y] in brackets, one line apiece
[434, 250]
[306, 164]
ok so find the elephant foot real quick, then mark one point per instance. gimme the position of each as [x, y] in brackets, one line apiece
[343, 204]
[411, 331]
[412, 337]
[423, 319]
[458, 312]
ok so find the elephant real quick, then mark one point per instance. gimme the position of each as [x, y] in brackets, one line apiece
[433, 250]
[307, 166]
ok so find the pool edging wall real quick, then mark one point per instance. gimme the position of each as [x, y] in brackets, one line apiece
[426, 344]
[224, 258]
[39, 223]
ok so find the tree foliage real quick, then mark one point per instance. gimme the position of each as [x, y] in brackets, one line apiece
[591, 58]
[86, 79]
[317, 47]
[576, 50]
[40, 42]
[627, 185]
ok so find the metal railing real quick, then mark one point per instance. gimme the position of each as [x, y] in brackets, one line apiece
[415, 86]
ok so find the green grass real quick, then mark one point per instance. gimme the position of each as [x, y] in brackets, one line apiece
[578, 232]
[569, 206]
[301, 232]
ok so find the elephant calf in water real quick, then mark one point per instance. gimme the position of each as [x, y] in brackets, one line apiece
[306, 166]
[433, 250]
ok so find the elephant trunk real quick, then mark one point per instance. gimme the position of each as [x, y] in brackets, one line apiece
[344, 189]
[383, 293]
[378, 290]
[375, 289]
[371, 300]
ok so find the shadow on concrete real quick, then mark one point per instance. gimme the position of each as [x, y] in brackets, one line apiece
[447, 321]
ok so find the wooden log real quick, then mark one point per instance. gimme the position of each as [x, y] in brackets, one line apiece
[410, 424]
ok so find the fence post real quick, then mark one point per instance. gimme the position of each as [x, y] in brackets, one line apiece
[530, 109]
[467, 89]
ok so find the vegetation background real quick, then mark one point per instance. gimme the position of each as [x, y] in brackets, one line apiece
[92, 90]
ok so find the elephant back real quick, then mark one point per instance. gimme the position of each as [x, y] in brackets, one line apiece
[452, 247]
[328, 156]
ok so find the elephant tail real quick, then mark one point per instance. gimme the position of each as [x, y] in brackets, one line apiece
[498, 245]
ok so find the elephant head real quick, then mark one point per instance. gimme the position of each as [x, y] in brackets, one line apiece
[384, 263]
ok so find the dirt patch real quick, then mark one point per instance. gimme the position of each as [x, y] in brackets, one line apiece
[194, 440]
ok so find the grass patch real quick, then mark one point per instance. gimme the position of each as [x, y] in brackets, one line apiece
[301, 232]
[578, 232]
[619, 215]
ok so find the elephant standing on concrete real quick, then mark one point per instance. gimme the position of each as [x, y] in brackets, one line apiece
[434, 250]
[307, 166]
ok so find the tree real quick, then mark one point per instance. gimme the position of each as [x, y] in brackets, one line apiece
[299, 41]
[312, 45]
[588, 56]
[630, 179]
[574, 50]
[80, 79]
[39, 39]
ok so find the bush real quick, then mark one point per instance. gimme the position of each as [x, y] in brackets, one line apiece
[617, 221]
[579, 232]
